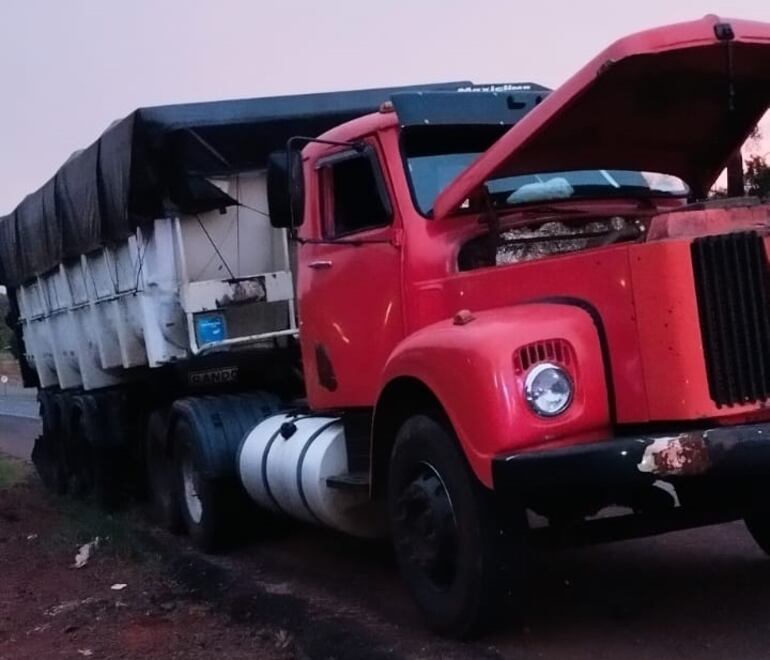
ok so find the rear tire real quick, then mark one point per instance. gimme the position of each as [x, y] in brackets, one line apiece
[454, 555]
[164, 503]
[202, 501]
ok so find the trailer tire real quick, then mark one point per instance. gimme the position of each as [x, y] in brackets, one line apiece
[81, 468]
[202, 500]
[454, 556]
[94, 472]
[164, 503]
[49, 463]
[48, 452]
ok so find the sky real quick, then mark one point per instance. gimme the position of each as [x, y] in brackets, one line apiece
[68, 68]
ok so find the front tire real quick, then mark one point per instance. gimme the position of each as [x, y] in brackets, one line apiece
[454, 555]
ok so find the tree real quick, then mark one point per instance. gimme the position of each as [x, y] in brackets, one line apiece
[757, 177]
[746, 178]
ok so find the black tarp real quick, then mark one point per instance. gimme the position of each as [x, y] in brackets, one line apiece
[154, 163]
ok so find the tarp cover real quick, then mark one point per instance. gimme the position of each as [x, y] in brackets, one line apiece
[154, 163]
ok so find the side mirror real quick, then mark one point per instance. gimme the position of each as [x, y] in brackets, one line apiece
[285, 189]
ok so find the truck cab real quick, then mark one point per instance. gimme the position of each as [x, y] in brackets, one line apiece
[546, 317]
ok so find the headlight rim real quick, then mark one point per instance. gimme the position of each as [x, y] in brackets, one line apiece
[534, 371]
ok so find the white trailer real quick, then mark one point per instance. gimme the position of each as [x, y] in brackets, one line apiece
[174, 289]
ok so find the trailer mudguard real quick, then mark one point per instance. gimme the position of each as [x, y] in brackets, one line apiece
[468, 363]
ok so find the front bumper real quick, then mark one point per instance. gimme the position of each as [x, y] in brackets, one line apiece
[734, 451]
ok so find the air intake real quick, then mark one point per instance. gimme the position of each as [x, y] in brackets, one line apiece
[731, 283]
[549, 350]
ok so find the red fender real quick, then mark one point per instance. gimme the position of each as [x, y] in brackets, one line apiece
[470, 370]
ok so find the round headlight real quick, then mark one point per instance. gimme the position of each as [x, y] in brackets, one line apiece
[548, 389]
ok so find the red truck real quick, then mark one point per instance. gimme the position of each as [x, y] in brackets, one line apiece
[521, 319]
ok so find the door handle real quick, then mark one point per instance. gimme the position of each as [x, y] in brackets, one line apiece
[322, 264]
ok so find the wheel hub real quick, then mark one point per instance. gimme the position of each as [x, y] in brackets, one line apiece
[426, 526]
[190, 480]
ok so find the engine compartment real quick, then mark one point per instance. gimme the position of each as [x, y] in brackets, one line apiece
[549, 237]
[556, 234]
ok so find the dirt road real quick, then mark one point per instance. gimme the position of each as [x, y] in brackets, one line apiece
[122, 603]
[702, 593]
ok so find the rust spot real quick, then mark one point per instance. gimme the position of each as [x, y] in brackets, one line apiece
[463, 317]
[244, 291]
[684, 454]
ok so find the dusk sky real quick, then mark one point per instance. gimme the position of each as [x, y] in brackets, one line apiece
[68, 68]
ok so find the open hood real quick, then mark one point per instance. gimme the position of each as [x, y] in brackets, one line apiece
[678, 100]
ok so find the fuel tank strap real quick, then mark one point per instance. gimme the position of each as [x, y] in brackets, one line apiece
[300, 463]
[263, 467]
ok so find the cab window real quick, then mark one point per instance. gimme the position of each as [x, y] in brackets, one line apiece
[353, 193]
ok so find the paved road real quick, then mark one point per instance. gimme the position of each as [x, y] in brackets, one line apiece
[19, 402]
[17, 435]
[696, 594]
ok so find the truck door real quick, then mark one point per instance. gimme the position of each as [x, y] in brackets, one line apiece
[349, 279]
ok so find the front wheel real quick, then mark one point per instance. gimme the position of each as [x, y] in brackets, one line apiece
[454, 554]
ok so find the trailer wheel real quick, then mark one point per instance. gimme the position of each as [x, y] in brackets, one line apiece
[48, 454]
[202, 501]
[454, 556]
[48, 459]
[94, 473]
[83, 473]
[164, 503]
[49, 463]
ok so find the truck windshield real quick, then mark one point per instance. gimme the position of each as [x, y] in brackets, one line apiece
[431, 173]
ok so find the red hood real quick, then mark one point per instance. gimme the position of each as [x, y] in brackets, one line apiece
[658, 101]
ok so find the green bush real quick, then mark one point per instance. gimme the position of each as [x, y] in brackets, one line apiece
[11, 471]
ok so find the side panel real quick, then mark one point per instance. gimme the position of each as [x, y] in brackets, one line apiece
[470, 369]
[350, 308]
[350, 320]
[670, 335]
[238, 239]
